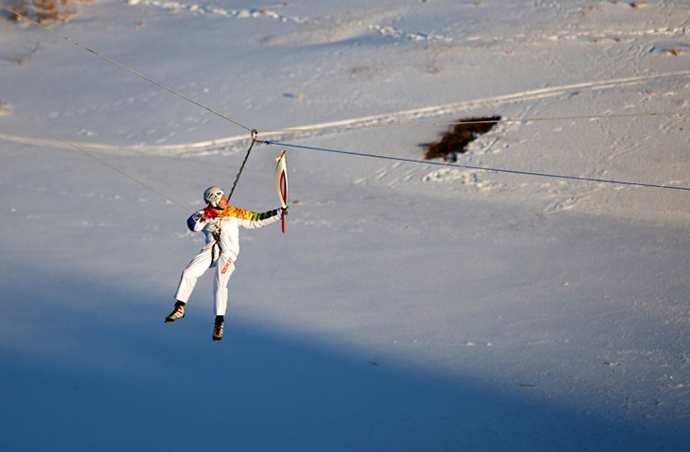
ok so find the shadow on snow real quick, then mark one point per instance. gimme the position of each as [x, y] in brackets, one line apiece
[110, 375]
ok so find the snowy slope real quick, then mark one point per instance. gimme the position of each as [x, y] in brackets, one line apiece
[408, 307]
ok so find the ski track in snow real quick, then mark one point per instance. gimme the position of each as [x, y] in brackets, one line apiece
[399, 33]
[595, 37]
[235, 144]
[199, 10]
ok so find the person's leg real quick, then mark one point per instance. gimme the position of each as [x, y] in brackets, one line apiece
[190, 275]
[224, 270]
[192, 272]
[220, 286]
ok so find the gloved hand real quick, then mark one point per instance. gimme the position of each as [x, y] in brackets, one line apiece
[199, 216]
[285, 210]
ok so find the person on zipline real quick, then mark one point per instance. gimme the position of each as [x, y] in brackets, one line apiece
[220, 223]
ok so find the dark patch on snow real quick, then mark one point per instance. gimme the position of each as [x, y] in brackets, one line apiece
[41, 11]
[459, 137]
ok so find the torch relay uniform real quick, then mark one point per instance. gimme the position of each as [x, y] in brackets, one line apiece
[221, 227]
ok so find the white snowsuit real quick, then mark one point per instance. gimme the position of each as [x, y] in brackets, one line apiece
[221, 228]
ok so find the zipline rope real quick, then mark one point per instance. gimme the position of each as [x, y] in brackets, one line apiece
[148, 79]
[331, 126]
[99, 160]
[336, 126]
[463, 122]
[128, 69]
[478, 168]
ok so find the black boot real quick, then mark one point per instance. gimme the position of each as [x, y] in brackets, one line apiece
[218, 328]
[177, 313]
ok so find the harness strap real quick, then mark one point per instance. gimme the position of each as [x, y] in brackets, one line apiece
[216, 243]
[237, 178]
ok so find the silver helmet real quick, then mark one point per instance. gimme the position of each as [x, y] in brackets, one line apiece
[213, 195]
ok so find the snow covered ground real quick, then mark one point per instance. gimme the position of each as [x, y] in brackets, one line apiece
[408, 307]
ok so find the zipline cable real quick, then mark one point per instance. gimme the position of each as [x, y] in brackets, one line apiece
[478, 168]
[335, 126]
[128, 69]
[99, 160]
[150, 80]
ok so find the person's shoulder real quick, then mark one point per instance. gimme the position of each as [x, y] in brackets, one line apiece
[236, 212]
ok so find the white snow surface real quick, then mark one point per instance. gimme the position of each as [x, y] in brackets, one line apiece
[408, 307]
